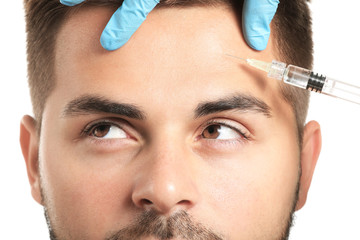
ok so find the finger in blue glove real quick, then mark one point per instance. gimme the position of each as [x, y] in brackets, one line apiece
[71, 2]
[256, 18]
[125, 21]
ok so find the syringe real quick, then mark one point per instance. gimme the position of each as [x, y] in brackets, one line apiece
[307, 79]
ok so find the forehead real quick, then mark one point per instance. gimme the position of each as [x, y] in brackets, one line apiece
[180, 50]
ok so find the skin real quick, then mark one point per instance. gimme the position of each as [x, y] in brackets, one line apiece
[167, 163]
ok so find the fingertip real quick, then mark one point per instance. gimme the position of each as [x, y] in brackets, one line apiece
[110, 43]
[70, 3]
[257, 16]
[258, 43]
[124, 22]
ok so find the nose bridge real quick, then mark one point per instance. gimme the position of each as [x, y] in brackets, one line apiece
[166, 179]
[168, 151]
[169, 146]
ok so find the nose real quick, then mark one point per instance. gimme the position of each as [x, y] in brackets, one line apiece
[165, 182]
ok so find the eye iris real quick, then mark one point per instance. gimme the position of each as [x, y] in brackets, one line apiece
[101, 131]
[212, 132]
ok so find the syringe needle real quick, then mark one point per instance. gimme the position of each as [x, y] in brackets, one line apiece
[243, 59]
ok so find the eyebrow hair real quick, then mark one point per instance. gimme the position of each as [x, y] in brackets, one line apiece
[241, 102]
[89, 104]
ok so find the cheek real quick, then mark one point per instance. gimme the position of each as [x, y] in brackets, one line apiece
[255, 190]
[83, 198]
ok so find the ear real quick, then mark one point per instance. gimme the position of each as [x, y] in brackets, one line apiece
[309, 155]
[29, 141]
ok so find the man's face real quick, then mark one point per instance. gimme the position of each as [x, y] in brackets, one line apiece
[168, 128]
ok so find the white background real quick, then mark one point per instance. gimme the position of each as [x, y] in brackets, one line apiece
[333, 207]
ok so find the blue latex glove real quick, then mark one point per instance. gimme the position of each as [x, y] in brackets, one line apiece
[257, 15]
[125, 21]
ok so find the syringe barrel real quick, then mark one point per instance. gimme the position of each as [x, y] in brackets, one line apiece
[297, 76]
[309, 80]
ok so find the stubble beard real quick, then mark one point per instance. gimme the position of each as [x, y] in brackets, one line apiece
[180, 226]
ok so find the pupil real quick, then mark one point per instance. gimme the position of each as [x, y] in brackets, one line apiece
[211, 129]
[211, 132]
[101, 131]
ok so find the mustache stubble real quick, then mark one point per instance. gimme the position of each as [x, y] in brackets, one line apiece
[150, 224]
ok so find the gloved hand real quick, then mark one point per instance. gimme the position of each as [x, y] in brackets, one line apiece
[256, 18]
[257, 15]
[125, 21]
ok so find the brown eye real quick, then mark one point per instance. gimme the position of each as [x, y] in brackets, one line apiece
[211, 132]
[101, 131]
[221, 132]
[107, 131]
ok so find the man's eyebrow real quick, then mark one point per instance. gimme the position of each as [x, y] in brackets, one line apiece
[90, 104]
[240, 102]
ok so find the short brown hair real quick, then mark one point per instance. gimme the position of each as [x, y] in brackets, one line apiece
[291, 24]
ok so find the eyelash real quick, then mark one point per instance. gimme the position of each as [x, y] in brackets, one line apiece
[245, 135]
[86, 131]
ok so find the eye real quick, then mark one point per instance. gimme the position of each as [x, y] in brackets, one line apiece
[107, 131]
[221, 132]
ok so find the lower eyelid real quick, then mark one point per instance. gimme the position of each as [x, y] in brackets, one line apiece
[106, 141]
[223, 145]
[109, 145]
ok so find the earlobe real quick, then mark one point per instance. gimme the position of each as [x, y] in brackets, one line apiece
[309, 155]
[29, 142]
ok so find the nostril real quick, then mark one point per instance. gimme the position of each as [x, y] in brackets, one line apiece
[184, 202]
[145, 202]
